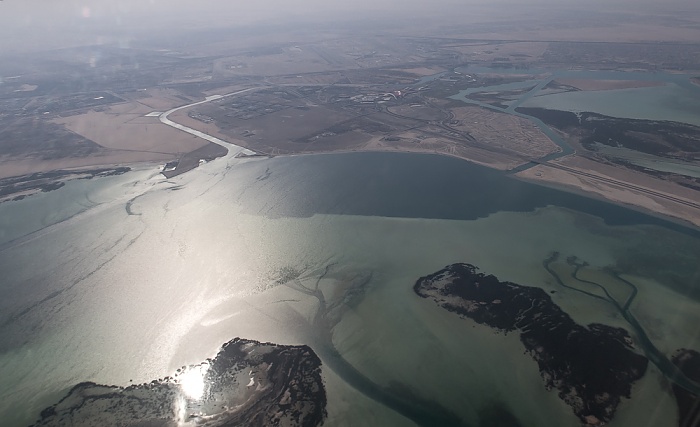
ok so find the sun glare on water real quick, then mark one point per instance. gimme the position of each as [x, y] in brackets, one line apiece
[193, 382]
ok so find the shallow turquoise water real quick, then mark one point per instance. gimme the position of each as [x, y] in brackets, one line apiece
[110, 294]
[668, 102]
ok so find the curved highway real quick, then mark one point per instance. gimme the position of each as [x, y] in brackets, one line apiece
[233, 149]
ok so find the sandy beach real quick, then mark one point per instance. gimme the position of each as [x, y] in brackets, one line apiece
[594, 184]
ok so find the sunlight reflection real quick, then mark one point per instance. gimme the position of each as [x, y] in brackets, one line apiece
[192, 382]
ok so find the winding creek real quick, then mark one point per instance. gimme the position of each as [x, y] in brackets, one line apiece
[536, 86]
[662, 362]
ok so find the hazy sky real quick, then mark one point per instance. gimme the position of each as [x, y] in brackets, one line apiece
[38, 24]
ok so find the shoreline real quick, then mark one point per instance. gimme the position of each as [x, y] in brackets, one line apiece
[509, 162]
[579, 191]
[685, 223]
[679, 220]
[20, 187]
[599, 188]
[648, 197]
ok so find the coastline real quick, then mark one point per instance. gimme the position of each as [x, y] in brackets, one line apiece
[15, 188]
[582, 176]
[646, 204]
[691, 222]
[659, 207]
[595, 196]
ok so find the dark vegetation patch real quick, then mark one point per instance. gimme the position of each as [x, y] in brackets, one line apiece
[287, 391]
[50, 181]
[191, 160]
[593, 367]
[688, 403]
[659, 138]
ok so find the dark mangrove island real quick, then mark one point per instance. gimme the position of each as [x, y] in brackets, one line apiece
[23, 186]
[688, 361]
[592, 366]
[248, 383]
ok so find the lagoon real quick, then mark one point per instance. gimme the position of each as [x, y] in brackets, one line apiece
[669, 102]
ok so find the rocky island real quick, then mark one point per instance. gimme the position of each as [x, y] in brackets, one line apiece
[248, 383]
[592, 366]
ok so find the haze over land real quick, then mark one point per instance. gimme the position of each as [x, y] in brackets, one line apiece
[129, 59]
[35, 25]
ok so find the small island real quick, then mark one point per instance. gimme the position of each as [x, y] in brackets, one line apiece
[248, 383]
[688, 361]
[592, 367]
[21, 187]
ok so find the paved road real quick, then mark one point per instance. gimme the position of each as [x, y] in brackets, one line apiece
[623, 184]
[233, 149]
